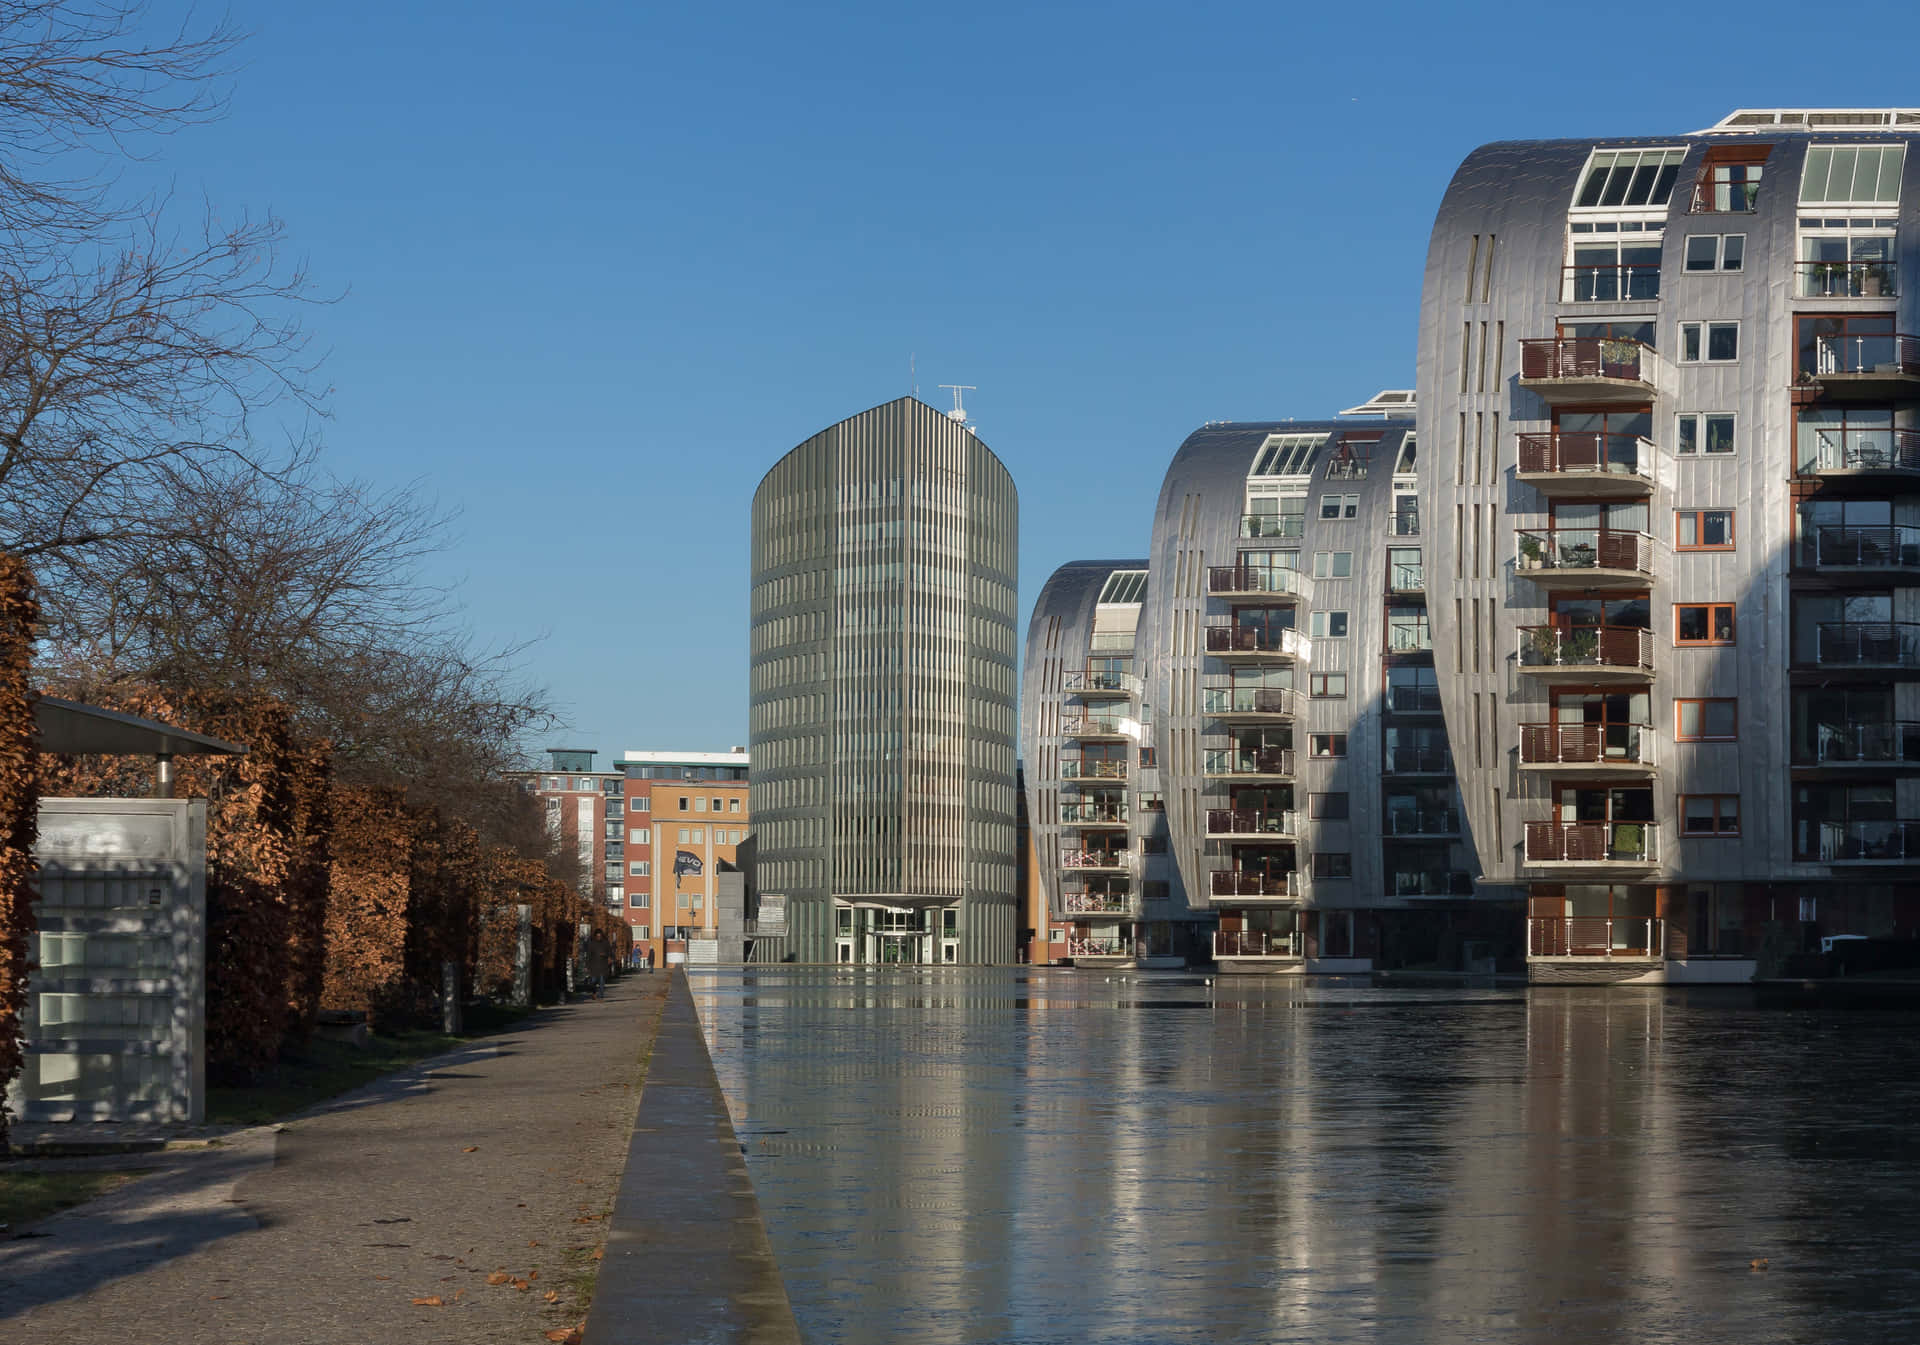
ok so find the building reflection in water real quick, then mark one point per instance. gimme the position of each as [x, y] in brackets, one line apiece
[967, 1155]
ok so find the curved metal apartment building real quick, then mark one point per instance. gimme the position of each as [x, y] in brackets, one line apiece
[884, 562]
[1667, 402]
[1272, 722]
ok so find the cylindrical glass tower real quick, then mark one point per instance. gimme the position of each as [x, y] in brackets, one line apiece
[885, 551]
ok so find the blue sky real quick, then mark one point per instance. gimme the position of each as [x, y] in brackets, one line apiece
[603, 264]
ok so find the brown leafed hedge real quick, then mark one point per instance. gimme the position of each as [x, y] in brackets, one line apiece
[18, 815]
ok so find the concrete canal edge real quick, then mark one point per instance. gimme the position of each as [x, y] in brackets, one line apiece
[687, 1255]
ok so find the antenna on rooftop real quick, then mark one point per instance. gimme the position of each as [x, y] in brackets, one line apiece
[913, 375]
[959, 412]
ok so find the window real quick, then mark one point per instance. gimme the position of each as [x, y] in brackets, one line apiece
[1406, 512]
[1852, 175]
[699, 835]
[717, 805]
[1332, 864]
[642, 901]
[700, 804]
[1703, 432]
[1709, 342]
[640, 835]
[733, 805]
[683, 803]
[1327, 744]
[1709, 814]
[1288, 454]
[1327, 807]
[642, 803]
[1715, 252]
[1847, 258]
[639, 868]
[1326, 686]
[1856, 343]
[1153, 803]
[1706, 721]
[1405, 571]
[1616, 178]
[1328, 625]
[1703, 530]
[1729, 182]
[1407, 631]
[1339, 506]
[1606, 270]
[1703, 623]
[1059, 936]
[685, 836]
[1333, 565]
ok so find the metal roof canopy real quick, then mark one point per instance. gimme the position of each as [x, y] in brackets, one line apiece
[74, 729]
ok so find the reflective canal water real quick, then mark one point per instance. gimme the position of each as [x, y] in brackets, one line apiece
[1032, 1155]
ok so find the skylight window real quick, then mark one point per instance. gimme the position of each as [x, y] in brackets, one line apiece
[1624, 179]
[1852, 175]
[1409, 458]
[1124, 586]
[1288, 454]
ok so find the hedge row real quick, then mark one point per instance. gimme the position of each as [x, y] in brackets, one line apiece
[18, 790]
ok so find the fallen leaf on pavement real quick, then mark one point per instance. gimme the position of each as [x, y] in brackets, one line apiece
[569, 1335]
[383, 1277]
[533, 1275]
[533, 1242]
[433, 1302]
[599, 1253]
[498, 1277]
[471, 1149]
[522, 1285]
[552, 1295]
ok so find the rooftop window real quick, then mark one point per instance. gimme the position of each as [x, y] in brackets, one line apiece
[1852, 175]
[1618, 179]
[1124, 586]
[1288, 454]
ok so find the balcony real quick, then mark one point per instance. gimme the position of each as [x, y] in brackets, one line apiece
[1867, 644]
[1580, 936]
[1411, 822]
[1874, 452]
[1879, 549]
[1252, 705]
[1877, 743]
[1092, 729]
[1249, 644]
[1586, 466]
[1407, 579]
[1233, 763]
[1586, 370]
[1594, 559]
[1413, 700]
[1246, 583]
[1846, 280]
[1405, 523]
[1085, 905]
[1587, 655]
[1430, 883]
[1593, 847]
[1596, 749]
[1247, 885]
[1246, 824]
[1096, 861]
[1093, 814]
[1100, 952]
[1256, 943]
[1093, 770]
[1877, 842]
[1418, 761]
[1862, 366]
[1408, 637]
[1095, 683]
[1273, 526]
[1610, 283]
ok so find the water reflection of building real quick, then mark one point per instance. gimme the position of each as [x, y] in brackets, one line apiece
[1672, 434]
[883, 613]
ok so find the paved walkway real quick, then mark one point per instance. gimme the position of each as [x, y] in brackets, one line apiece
[501, 1157]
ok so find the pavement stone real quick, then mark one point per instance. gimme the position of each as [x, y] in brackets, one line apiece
[324, 1229]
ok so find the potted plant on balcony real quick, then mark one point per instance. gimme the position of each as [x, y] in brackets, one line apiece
[1580, 646]
[1629, 841]
[1531, 551]
[1545, 643]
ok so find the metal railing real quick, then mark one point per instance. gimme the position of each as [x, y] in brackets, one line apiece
[1099, 948]
[1869, 842]
[1847, 280]
[1288, 642]
[1586, 646]
[1592, 842]
[1251, 883]
[1580, 452]
[1096, 859]
[1422, 821]
[1276, 583]
[1725, 198]
[1406, 522]
[1583, 549]
[1252, 701]
[1414, 700]
[1431, 883]
[1409, 637]
[1230, 761]
[1075, 769]
[1419, 761]
[1091, 726]
[1251, 821]
[1093, 814]
[1273, 525]
[1407, 579]
[1610, 282]
[1867, 450]
[1871, 742]
[1887, 546]
[1582, 357]
[1867, 644]
[1586, 744]
[1864, 353]
[1092, 679]
[1255, 943]
[1090, 903]
[1595, 936]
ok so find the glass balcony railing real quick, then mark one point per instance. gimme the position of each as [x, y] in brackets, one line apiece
[1557, 550]
[1095, 859]
[1093, 814]
[1256, 943]
[1084, 680]
[1096, 903]
[1583, 357]
[1596, 936]
[1407, 579]
[1867, 644]
[1866, 450]
[1273, 525]
[1285, 643]
[1884, 742]
[1419, 760]
[1592, 843]
[1847, 280]
[1861, 353]
[1091, 726]
[1253, 883]
[1610, 283]
[1586, 744]
[1579, 454]
[1423, 822]
[1233, 761]
[1879, 547]
[1892, 840]
[1077, 769]
[1252, 822]
[1264, 583]
[1252, 701]
[1413, 700]
[1549, 648]
[1430, 883]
